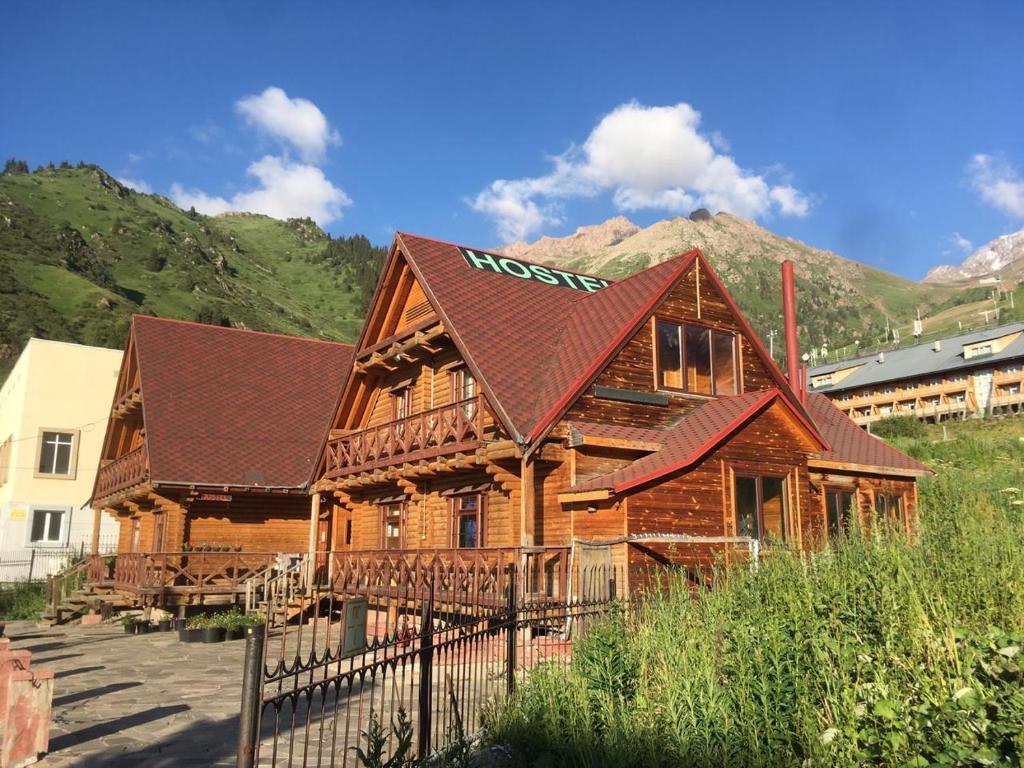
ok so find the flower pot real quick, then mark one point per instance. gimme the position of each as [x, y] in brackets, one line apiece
[213, 634]
[129, 629]
[235, 633]
[142, 628]
[164, 625]
[186, 635]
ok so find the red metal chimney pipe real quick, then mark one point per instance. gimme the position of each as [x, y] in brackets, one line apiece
[789, 323]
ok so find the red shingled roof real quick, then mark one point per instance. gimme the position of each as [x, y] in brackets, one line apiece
[850, 444]
[617, 432]
[224, 406]
[567, 336]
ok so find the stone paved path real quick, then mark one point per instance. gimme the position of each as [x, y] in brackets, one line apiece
[121, 700]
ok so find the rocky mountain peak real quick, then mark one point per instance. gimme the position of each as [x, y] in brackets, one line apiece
[1004, 254]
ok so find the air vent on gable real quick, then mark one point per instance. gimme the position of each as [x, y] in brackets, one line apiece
[881, 357]
[937, 345]
[418, 311]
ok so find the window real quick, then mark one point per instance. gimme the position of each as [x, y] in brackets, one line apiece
[889, 506]
[392, 525]
[5, 460]
[56, 454]
[464, 388]
[136, 534]
[761, 510]
[401, 403]
[467, 521]
[47, 526]
[691, 358]
[822, 381]
[838, 504]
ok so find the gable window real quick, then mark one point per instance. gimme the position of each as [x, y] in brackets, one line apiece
[838, 503]
[761, 509]
[56, 454]
[464, 388]
[467, 521]
[391, 525]
[692, 358]
[47, 526]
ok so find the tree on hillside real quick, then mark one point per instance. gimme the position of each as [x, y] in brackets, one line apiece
[211, 314]
[359, 264]
[15, 167]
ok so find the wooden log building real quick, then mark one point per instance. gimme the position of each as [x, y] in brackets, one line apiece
[495, 403]
[211, 450]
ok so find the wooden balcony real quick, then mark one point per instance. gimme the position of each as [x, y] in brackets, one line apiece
[1003, 400]
[457, 427]
[123, 472]
[128, 404]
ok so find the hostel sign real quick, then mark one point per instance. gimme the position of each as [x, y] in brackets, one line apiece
[503, 265]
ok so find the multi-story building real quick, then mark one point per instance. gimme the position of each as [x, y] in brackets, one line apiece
[972, 375]
[54, 408]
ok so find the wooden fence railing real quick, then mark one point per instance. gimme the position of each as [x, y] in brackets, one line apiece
[190, 572]
[448, 428]
[123, 472]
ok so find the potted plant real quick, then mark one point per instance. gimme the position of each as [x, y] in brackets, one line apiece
[191, 631]
[213, 631]
[141, 627]
[128, 622]
[164, 625]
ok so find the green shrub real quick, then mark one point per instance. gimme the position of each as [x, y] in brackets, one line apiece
[22, 601]
[899, 426]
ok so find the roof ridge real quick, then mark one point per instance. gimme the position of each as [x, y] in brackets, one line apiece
[517, 258]
[232, 329]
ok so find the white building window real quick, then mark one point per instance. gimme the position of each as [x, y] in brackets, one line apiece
[48, 526]
[58, 453]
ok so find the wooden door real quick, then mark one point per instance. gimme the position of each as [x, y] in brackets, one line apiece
[323, 541]
[159, 521]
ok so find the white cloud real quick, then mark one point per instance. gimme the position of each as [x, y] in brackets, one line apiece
[998, 183]
[957, 242]
[297, 122]
[286, 190]
[137, 184]
[648, 157]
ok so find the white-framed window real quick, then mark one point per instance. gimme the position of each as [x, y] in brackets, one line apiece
[48, 525]
[58, 453]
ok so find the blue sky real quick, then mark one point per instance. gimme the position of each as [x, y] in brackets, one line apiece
[892, 133]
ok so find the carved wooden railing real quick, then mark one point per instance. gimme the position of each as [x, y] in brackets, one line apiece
[200, 573]
[446, 429]
[123, 472]
[458, 576]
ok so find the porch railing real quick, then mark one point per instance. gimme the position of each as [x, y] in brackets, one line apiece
[123, 472]
[205, 573]
[446, 429]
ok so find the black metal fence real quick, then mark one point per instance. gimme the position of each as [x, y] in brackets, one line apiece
[410, 658]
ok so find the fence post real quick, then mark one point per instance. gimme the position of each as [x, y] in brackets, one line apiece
[31, 563]
[510, 668]
[426, 672]
[252, 695]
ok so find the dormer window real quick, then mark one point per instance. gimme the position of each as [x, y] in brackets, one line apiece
[695, 359]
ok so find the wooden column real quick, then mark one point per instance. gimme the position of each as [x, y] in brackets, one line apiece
[314, 528]
[97, 518]
[527, 513]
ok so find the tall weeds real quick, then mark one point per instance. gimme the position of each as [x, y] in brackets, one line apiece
[882, 652]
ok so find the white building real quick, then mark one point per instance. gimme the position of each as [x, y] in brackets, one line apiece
[53, 415]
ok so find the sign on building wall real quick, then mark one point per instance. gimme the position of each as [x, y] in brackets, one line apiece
[503, 265]
[353, 625]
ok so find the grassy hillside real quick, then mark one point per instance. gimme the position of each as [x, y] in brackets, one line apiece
[79, 253]
[883, 652]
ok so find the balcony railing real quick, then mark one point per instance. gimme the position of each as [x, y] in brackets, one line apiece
[450, 428]
[193, 573]
[1009, 398]
[123, 472]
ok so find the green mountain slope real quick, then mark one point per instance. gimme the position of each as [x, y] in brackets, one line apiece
[80, 252]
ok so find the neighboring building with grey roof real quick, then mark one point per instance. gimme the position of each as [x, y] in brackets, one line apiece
[972, 375]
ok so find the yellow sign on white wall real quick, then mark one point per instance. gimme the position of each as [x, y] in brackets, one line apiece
[18, 514]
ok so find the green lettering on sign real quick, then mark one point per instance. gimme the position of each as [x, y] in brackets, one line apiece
[504, 265]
